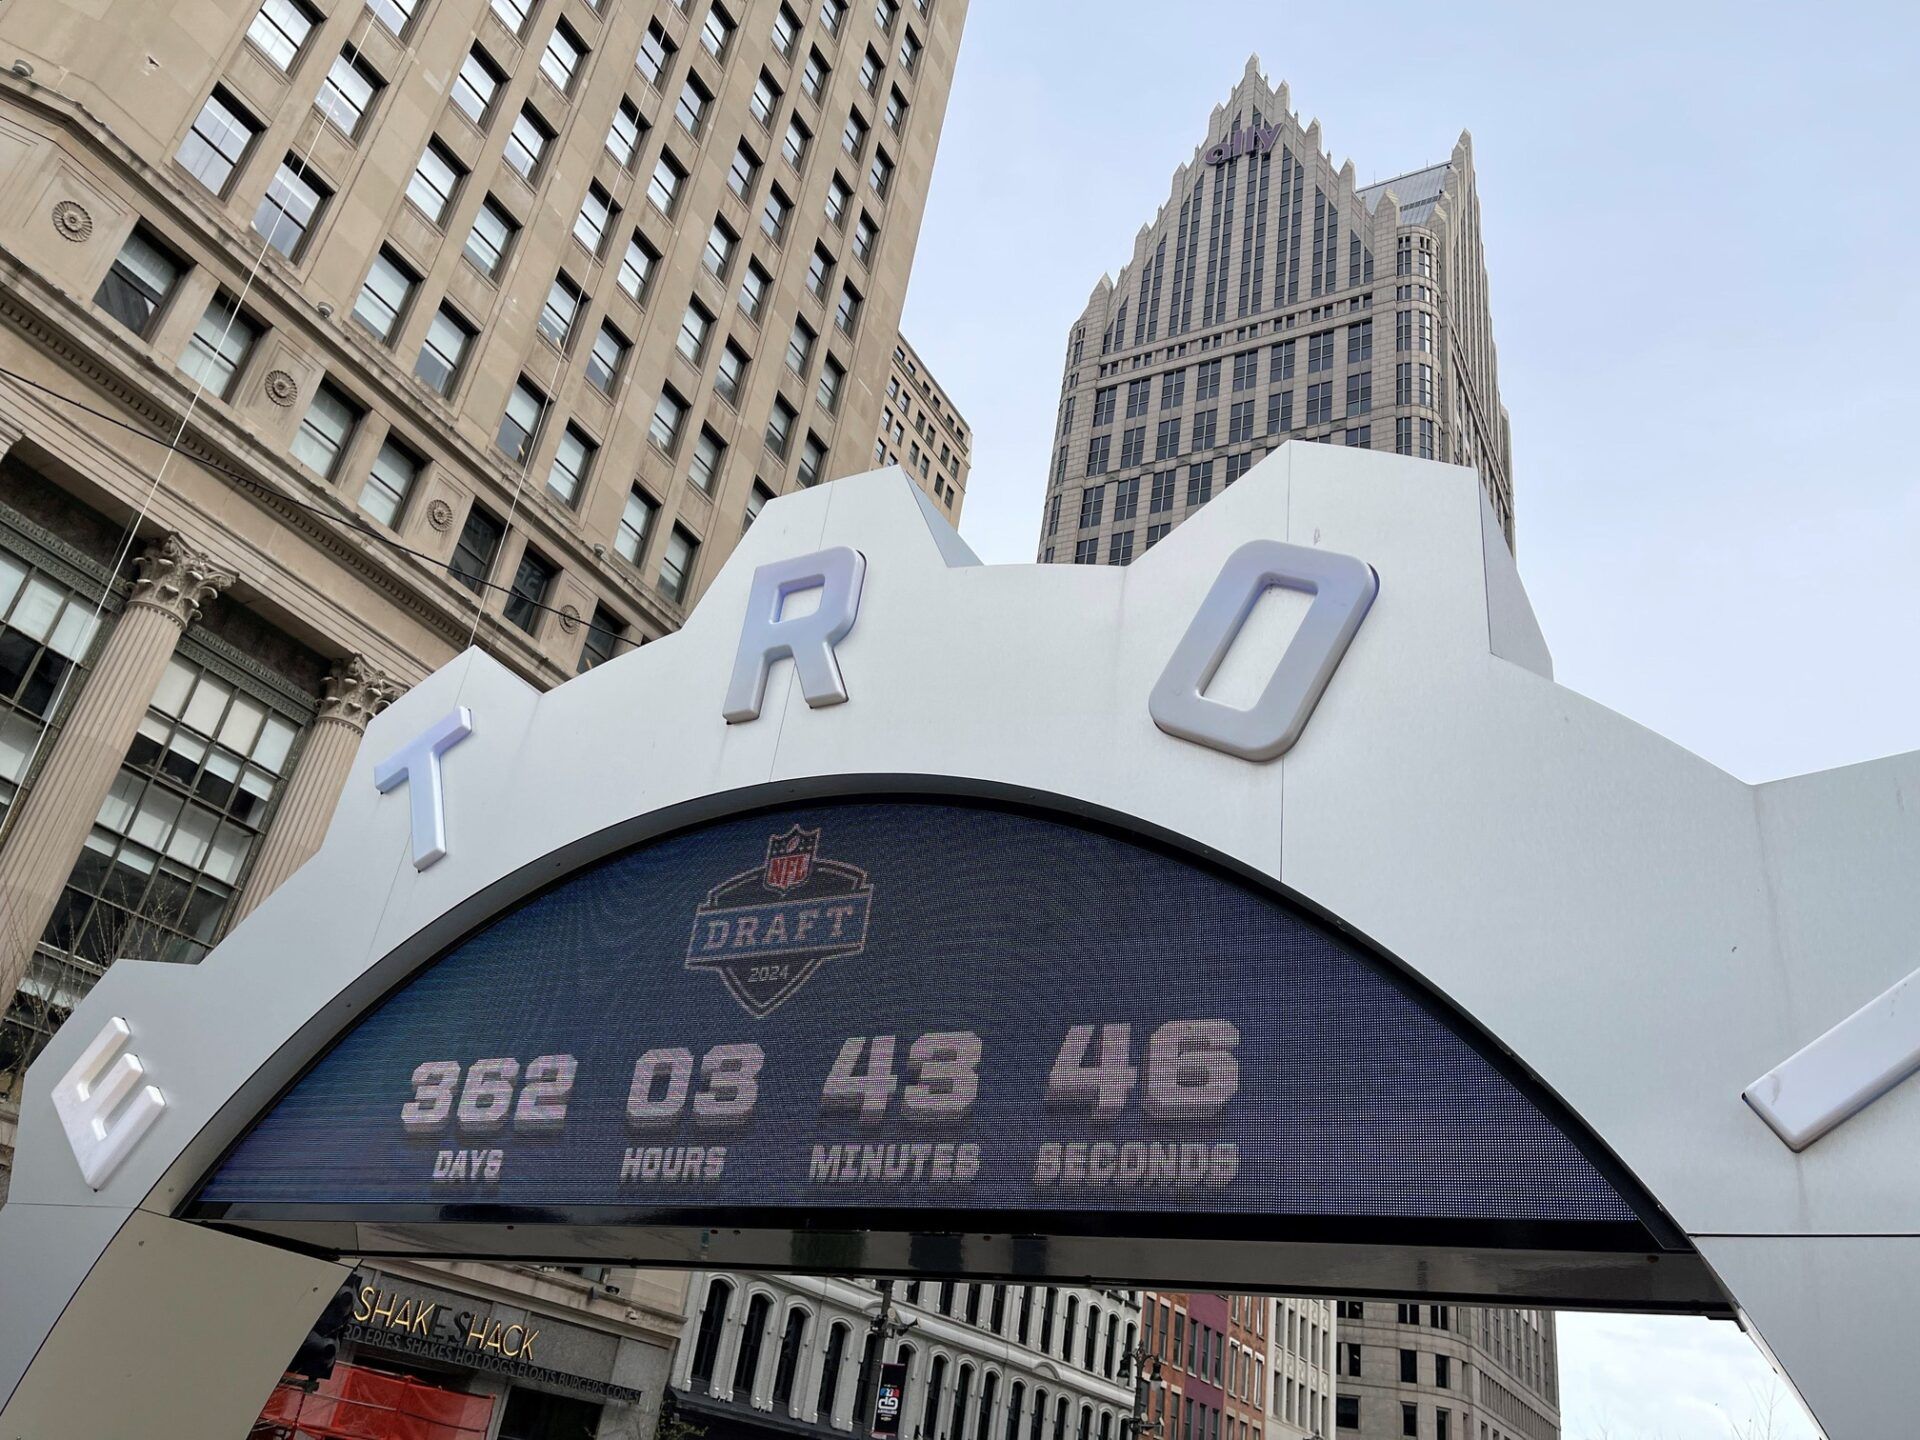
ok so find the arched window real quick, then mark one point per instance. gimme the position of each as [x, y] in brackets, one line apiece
[1015, 1397]
[1060, 1419]
[946, 1297]
[1106, 1425]
[1113, 1340]
[1046, 1320]
[830, 1370]
[930, 1413]
[989, 1392]
[713, 1322]
[999, 1309]
[1026, 1312]
[1066, 1338]
[962, 1394]
[1093, 1338]
[789, 1363]
[752, 1338]
[1039, 1415]
[1086, 1423]
[973, 1304]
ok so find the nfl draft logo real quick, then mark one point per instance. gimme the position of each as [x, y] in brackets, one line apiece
[766, 930]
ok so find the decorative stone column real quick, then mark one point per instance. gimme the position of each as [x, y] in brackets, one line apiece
[356, 691]
[173, 580]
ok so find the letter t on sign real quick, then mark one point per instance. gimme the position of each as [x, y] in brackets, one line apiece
[807, 640]
[417, 764]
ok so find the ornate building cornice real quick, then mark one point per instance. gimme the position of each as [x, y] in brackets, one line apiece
[176, 579]
[357, 690]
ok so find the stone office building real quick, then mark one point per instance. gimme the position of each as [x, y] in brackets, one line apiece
[338, 335]
[1447, 1372]
[938, 452]
[764, 1356]
[1237, 1367]
[1274, 298]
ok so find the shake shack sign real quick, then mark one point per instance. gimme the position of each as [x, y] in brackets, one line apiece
[462, 1330]
[1257, 141]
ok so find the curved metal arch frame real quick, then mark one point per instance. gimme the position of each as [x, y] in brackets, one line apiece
[1577, 886]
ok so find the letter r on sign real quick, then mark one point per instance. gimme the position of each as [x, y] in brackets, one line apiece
[807, 640]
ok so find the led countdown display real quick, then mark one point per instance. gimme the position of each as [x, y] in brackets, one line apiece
[911, 1005]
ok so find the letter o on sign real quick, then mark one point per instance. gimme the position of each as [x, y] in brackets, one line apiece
[1342, 588]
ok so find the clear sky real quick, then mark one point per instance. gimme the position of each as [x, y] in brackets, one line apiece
[1700, 223]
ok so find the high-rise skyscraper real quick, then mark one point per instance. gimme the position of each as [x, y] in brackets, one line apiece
[1274, 297]
[339, 335]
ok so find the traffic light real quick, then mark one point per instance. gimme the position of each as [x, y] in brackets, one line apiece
[317, 1353]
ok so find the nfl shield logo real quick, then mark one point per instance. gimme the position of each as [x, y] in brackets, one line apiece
[790, 858]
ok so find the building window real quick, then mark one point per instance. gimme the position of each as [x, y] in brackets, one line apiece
[847, 314]
[664, 188]
[1246, 369]
[880, 173]
[865, 234]
[1346, 1412]
[435, 179]
[217, 143]
[491, 238]
[623, 134]
[764, 100]
[1360, 341]
[219, 345]
[775, 214]
[325, 430]
[819, 273]
[870, 68]
[813, 78]
[1126, 504]
[1280, 412]
[605, 634]
[476, 86]
[1320, 402]
[138, 283]
[389, 483]
[813, 461]
[520, 421]
[1133, 445]
[596, 216]
[572, 459]
[512, 13]
[394, 14]
[833, 14]
[786, 32]
[839, 196]
[721, 244]
[1119, 552]
[729, 375]
[1320, 352]
[1409, 1419]
[561, 310]
[779, 434]
[709, 454]
[1240, 422]
[348, 91]
[753, 290]
[1199, 491]
[636, 268]
[608, 356]
[1442, 1372]
[1207, 380]
[45, 630]
[165, 855]
[279, 30]
[676, 564]
[743, 172]
[696, 328]
[636, 526]
[853, 136]
[527, 596]
[1160, 497]
[1206, 430]
[1093, 500]
[656, 53]
[1085, 552]
[1097, 452]
[560, 62]
[896, 114]
[1410, 1367]
[669, 415]
[909, 52]
[383, 299]
[1157, 533]
[477, 549]
[289, 208]
[793, 146]
[832, 379]
[1360, 392]
[526, 143]
[1426, 450]
[691, 108]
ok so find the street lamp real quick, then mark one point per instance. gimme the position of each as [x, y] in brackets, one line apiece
[885, 1327]
[1142, 1368]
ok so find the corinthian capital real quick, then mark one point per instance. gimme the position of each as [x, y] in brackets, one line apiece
[356, 691]
[175, 579]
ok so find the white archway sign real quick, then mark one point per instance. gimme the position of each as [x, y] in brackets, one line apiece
[1705, 974]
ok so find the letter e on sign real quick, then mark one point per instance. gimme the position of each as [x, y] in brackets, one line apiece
[103, 1105]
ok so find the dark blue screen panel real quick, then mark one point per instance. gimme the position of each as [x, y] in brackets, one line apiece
[912, 1005]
